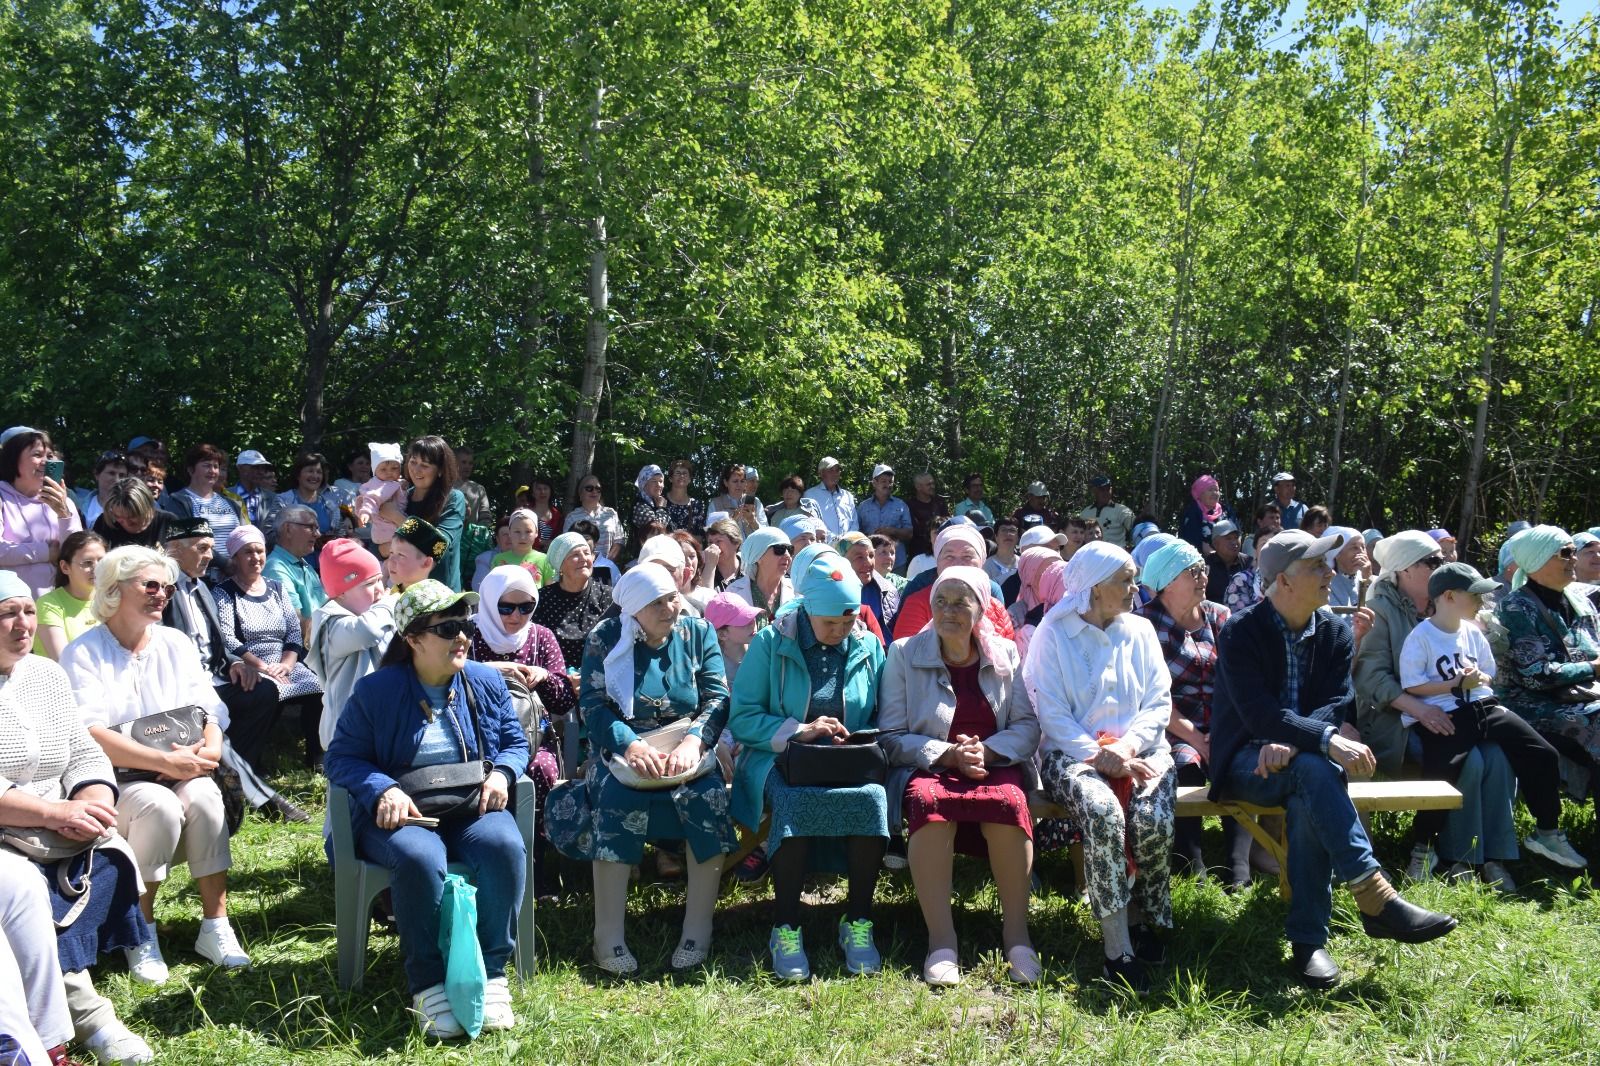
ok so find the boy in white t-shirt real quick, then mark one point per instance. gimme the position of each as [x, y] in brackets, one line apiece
[1446, 660]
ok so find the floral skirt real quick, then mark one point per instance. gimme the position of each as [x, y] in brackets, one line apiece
[602, 819]
[999, 799]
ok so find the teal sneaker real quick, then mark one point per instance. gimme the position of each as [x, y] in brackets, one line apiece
[789, 960]
[860, 953]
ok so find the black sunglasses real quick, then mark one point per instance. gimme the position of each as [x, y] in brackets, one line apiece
[525, 607]
[455, 627]
[1433, 562]
[1569, 552]
[591, 488]
[781, 549]
[151, 588]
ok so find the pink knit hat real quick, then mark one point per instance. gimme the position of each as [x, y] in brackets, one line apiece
[346, 564]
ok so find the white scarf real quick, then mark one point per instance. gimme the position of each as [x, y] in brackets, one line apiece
[638, 589]
[1090, 565]
[501, 580]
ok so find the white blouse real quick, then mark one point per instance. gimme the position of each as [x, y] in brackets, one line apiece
[113, 685]
[1086, 681]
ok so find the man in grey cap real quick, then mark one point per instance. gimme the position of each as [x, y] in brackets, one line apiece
[1290, 509]
[1227, 558]
[836, 506]
[1116, 519]
[253, 471]
[1035, 511]
[1282, 736]
[885, 514]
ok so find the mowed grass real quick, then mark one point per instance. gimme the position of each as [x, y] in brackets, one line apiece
[1519, 981]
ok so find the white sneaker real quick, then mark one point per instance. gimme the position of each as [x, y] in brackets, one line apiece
[497, 1012]
[116, 1043]
[145, 964]
[1552, 844]
[1423, 860]
[1497, 877]
[434, 1016]
[217, 943]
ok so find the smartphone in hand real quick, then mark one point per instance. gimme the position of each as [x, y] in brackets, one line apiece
[55, 470]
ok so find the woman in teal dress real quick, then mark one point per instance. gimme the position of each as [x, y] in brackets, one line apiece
[812, 674]
[648, 669]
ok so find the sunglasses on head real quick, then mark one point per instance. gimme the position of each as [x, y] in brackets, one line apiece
[455, 627]
[152, 588]
[526, 607]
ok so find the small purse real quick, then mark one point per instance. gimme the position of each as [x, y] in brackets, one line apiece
[450, 790]
[664, 740]
[162, 731]
[860, 760]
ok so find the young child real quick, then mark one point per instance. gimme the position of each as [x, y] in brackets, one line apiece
[350, 632]
[384, 487]
[735, 622]
[523, 530]
[415, 549]
[1446, 661]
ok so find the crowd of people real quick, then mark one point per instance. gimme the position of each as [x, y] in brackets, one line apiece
[853, 683]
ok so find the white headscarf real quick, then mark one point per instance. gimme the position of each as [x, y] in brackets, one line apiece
[1403, 549]
[663, 548]
[1089, 565]
[638, 589]
[501, 580]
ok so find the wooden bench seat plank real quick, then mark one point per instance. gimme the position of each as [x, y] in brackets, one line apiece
[1366, 795]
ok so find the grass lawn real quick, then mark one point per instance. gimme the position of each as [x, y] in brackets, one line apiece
[1519, 981]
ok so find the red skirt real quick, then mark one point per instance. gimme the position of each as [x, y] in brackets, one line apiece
[999, 799]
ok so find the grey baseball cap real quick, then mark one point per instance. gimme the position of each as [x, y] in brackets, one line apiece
[1289, 547]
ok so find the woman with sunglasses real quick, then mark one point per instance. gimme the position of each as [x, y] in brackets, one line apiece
[131, 666]
[764, 557]
[1187, 625]
[428, 705]
[592, 508]
[1386, 714]
[1553, 634]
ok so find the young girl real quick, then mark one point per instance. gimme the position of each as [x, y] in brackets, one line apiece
[64, 611]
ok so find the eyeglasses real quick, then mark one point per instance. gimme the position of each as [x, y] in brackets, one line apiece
[1198, 571]
[781, 549]
[1569, 552]
[506, 609]
[455, 627]
[1433, 562]
[303, 525]
[157, 588]
[591, 488]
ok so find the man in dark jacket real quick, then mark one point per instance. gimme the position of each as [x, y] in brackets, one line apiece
[1281, 735]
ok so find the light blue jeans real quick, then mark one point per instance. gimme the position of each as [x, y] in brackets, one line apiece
[1483, 828]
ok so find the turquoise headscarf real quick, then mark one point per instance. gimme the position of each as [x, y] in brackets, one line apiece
[556, 554]
[1583, 540]
[756, 545]
[828, 587]
[1167, 563]
[1532, 548]
[1149, 546]
[1505, 550]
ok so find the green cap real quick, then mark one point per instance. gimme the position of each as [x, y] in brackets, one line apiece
[427, 597]
[422, 536]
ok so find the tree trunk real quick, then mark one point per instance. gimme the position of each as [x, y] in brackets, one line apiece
[947, 372]
[1480, 424]
[531, 342]
[597, 333]
[319, 350]
[1363, 199]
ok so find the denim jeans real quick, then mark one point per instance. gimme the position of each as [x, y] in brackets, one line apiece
[1325, 834]
[490, 846]
[1483, 828]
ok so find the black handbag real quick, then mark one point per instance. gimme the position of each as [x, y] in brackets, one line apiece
[450, 790]
[162, 731]
[860, 760]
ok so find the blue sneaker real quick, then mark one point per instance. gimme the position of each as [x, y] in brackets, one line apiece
[789, 960]
[860, 953]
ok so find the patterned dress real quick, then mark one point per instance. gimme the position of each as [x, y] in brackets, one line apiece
[266, 625]
[1551, 638]
[572, 616]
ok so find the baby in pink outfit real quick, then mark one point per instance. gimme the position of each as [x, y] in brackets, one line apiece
[384, 487]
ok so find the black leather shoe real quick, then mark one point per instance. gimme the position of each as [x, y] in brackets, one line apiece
[1314, 967]
[278, 809]
[1127, 974]
[1407, 923]
[1148, 948]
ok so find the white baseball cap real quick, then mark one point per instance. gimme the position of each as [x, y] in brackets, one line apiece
[827, 462]
[251, 457]
[1041, 536]
[881, 468]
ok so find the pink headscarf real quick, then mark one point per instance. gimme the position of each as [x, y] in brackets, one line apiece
[1202, 485]
[1053, 585]
[960, 532]
[976, 580]
[1031, 566]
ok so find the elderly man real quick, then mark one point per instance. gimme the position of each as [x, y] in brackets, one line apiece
[928, 512]
[886, 515]
[286, 564]
[1281, 736]
[836, 506]
[1035, 509]
[253, 706]
[1116, 519]
[1290, 509]
[479, 510]
[1227, 559]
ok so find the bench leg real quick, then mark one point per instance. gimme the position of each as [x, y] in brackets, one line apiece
[1277, 847]
[748, 841]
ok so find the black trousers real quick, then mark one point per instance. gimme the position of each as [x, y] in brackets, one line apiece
[1532, 759]
[251, 718]
[1186, 837]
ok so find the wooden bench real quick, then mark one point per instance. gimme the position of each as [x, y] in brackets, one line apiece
[1366, 795]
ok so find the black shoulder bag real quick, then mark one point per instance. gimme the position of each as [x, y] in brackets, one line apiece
[450, 790]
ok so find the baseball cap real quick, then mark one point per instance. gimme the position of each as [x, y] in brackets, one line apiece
[827, 462]
[1289, 547]
[427, 597]
[251, 457]
[1100, 481]
[881, 468]
[1460, 577]
[1225, 528]
[1282, 475]
[1041, 537]
[1036, 488]
[726, 609]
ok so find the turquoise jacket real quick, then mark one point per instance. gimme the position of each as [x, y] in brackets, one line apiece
[771, 695]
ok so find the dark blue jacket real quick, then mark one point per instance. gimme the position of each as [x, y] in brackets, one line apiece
[1246, 707]
[381, 726]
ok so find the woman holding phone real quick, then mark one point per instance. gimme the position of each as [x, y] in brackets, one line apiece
[36, 514]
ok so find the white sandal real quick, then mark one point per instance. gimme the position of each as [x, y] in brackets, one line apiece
[619, 963]
[940, 969]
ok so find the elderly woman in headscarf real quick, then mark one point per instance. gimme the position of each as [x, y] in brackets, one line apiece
[1351, 567]
[1103, 693]
[1031, 565]
[649, 504]
[654, 702]
[1147, 546]
[813, 674]
[1203, 510]
[1553, 633]
[958, 544]
[957, 718]
[764, 558]
[574, 603]
[1051, 585]
[1187, 624]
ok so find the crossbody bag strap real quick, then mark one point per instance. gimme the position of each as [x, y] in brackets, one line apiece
[472, 713]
